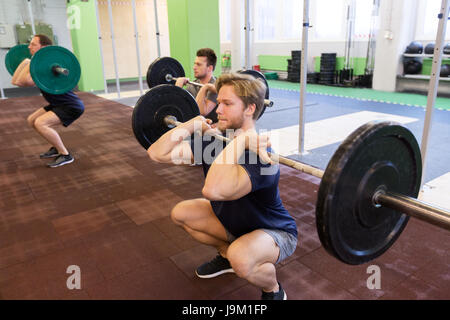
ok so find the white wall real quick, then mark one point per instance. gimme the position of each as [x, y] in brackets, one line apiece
[397, 18]
[51, 12]
[125, 42]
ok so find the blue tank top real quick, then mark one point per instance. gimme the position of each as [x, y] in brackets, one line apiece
[262, 207]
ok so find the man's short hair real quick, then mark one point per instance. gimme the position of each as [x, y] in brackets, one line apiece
[210, 55]
[247, 88]
[44, 40]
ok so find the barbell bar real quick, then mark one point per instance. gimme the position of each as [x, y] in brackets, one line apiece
[367, 191]
[169, 78]
[165, 70]
[408, 205]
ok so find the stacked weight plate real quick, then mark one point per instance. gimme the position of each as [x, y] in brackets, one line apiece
[294, 66]
[327, 68]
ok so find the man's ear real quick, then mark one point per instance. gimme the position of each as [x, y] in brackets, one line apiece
[251, 108]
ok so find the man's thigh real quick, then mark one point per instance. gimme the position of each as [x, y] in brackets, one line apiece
[198, 214]
[48, 119]
[32, 117]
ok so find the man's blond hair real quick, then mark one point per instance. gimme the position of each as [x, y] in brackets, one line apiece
[247, 88]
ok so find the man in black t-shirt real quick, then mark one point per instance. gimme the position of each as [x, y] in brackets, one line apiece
[241, 214]
[62, 109]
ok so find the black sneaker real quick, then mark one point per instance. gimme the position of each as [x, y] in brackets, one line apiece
[214, 268]
[61, 160]
[280, 295]
[51, 153]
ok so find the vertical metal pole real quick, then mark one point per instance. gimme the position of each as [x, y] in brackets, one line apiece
[434, 80]
[136, 34]
[111, 25]
[2, 93]
[158, 42]
[100, 46]
[247, 34]
[303, 77]
[30, 12]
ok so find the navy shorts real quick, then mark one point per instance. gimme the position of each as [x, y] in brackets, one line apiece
[67, 114]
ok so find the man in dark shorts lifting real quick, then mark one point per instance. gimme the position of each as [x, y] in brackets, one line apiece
[241, 214]
[62, 109]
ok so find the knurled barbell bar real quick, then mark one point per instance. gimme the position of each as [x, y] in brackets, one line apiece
[170, 78]
[54, 69]
[367, 192]
[166, 70]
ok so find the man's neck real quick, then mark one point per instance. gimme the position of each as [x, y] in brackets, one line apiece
[206, 79]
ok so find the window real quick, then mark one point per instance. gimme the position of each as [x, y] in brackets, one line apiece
[278, 20]
[329, 19]
[363, 18]
[265, 19]
[292, 19]
[427, 23]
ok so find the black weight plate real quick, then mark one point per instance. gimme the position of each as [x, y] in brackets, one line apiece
[157, 103]
[258, 75]
[160, 68]
[376, 155]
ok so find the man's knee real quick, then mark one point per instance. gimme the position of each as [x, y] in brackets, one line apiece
[31, 120]
[178, 213]
[239, 261]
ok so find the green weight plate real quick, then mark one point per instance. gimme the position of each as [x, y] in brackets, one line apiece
[378, 155]
[15, 56]
[157, 103]
[43, 63]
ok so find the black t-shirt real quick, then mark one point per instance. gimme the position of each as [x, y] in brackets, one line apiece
[262, 207]
[69, 99]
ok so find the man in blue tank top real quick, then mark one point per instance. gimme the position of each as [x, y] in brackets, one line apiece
[63, 109]
[241, 214]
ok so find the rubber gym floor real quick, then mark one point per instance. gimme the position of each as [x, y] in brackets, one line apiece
[108, 212]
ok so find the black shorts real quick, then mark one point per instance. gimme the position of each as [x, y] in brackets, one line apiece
[67, 114]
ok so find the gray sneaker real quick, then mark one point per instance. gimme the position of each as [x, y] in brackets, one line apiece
[61, 160]
[51, 153]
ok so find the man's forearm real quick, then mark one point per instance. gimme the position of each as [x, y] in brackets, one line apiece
[23, 78]
[161, 149]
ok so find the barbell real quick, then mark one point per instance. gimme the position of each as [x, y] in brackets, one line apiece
[166, 70]
[169, 78]
[368, 189]
[54, 69]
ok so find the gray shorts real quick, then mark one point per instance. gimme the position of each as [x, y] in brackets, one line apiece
[286, 241]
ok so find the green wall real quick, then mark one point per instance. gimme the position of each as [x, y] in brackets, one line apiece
[83, 30]
[193, 24]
